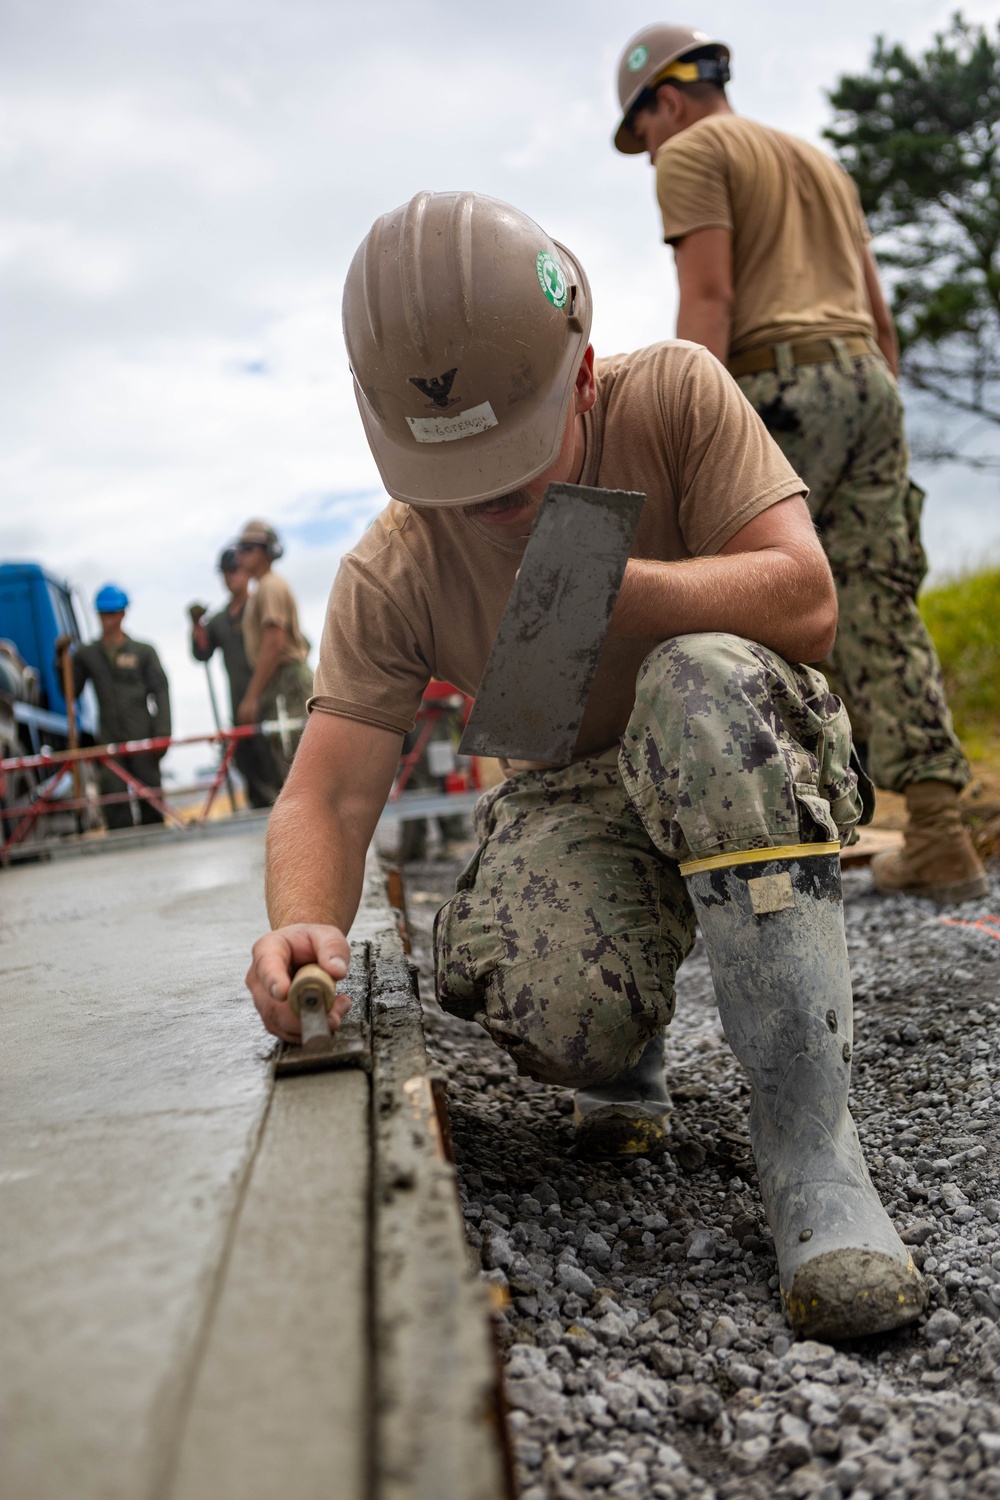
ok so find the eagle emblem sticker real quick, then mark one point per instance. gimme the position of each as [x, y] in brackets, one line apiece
[636, 58]
[438, 388]
[552, 278]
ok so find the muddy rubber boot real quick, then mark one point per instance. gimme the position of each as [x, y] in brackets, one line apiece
[938, 858]
[774, 932]
[630, 1114]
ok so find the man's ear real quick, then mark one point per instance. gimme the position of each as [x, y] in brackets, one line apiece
[670, 101]
[585, 393]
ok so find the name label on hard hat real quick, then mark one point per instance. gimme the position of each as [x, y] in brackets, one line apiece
[449, 429]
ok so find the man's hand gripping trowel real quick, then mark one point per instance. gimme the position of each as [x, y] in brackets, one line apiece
[536, 683]
[311, 997]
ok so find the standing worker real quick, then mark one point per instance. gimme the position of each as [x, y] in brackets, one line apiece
[776, 279]
[281, 680]
[133, 697]
[223, 631]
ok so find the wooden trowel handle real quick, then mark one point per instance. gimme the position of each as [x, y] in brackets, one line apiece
[311, 985]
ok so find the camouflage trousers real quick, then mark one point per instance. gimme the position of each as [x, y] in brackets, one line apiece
[840, 425]
[567, 928]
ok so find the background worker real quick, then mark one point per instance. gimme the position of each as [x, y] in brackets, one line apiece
[223, 631]
[133, 699]
[423, 776]
[711, 775]
[275, 646]
[776, 278]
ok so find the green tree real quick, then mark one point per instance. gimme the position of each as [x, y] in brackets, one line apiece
[921, 138]
[961, 615]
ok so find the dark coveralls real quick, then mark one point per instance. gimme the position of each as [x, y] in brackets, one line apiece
[253, 757]
[125, 678]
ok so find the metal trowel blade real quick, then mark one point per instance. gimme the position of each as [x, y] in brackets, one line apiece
[347, 1047]
[535, 687]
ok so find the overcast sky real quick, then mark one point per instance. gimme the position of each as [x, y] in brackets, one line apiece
[182, 186]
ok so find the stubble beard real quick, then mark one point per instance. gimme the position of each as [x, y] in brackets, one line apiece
[500, 505]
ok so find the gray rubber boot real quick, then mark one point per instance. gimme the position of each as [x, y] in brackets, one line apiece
[630, 1114]
[774, 932]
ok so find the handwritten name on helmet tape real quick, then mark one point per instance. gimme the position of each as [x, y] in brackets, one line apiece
[449, 429]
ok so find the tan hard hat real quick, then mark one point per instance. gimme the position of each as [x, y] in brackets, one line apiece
[465, 327]
[264, 535]
[644, 62]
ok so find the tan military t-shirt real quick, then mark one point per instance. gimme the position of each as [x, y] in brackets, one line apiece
[797, 225]
[423, 592]
[273, 603]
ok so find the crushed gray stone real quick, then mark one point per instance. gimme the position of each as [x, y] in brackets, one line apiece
[646, 1354]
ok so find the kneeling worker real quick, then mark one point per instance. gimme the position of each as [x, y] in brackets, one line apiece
[712, 777]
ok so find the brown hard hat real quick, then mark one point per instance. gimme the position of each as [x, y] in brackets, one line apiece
[264, 535]
[465, 327]
[258, 531]
[643, 64]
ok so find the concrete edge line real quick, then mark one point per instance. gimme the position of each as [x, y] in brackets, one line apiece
[163, 1470]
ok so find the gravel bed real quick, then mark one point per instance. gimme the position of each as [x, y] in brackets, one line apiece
[646, 1353]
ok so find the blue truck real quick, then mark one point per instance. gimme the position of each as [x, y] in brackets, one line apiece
[36, 608]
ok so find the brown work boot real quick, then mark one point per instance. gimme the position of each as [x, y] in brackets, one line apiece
[938, 858]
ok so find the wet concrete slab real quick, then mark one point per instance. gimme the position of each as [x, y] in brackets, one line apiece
[135, 1080]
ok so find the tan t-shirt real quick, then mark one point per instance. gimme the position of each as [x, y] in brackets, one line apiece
[796, 220]
[423, 592]
[273, 603]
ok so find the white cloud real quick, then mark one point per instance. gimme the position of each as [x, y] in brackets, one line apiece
[120, 133]
[64, 257]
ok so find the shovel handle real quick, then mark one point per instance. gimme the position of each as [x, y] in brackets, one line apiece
[312, 987]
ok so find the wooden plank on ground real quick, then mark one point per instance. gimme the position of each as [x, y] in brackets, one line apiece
[871, 841]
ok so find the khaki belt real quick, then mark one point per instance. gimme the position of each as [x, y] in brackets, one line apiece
[815, 352]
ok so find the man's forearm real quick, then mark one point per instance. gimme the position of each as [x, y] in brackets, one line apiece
[707, 321]
[704, 261]
[268, 660]
[888, 342]
[315, 864]
[769, 597]
[885, 328]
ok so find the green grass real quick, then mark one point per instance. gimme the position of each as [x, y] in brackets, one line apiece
[963, 616]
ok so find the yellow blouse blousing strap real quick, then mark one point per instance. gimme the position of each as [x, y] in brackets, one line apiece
[758, 857]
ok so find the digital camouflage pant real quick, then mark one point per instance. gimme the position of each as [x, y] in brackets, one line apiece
[569, 924]
[840, 425]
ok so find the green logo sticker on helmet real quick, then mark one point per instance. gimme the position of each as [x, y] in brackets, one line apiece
[552, 278]
[636, 58]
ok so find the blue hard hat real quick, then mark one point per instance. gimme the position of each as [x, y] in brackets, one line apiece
[110, 599]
